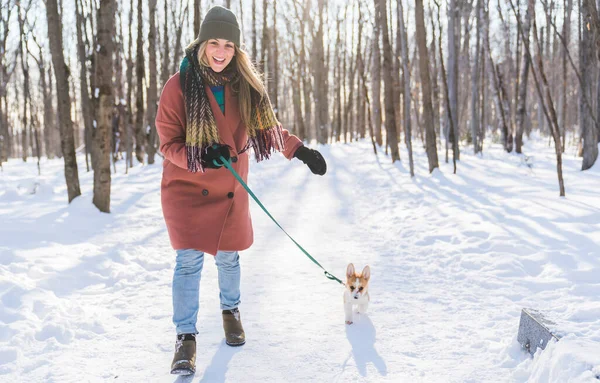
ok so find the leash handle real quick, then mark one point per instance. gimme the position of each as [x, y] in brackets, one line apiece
[227, 164]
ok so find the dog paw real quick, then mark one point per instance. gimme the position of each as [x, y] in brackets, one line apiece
[348, 322]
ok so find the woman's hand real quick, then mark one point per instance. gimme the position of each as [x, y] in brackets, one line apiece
[313, 159]
[213, 154]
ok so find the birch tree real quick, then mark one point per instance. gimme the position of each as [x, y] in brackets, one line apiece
[390, 118]
[61, 72]
[105, 105]
[406, 90]
[152, 98]
[430, 140]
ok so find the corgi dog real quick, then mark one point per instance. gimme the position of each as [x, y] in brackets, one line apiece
[357, 291]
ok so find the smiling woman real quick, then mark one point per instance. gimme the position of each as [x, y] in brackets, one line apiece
[215, 108]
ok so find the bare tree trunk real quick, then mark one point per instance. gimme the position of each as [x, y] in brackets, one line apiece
[64, 101]
[390, 117]
[320, 80]
[496, 84]
[426, 86]
[32, 109]
[86, 102]
[522, 101]
[56, 141]
[25, 71]
[376, 84]
[166, 54]
[337, 105]
[153, 86]
[264, 46]
[305, 73]
[563, 101]
[406, 80]
[453, 27]
[360, 102]
[197, 16]
[102, 133]
[449, 109]
[129, 79]
[254, 33]
[586, 67]
[435, 83]
[475, 127]
[5, 74]
[348, 123]
[543, 91]
[396, 72]
[120, 129]
[49, 125]
[140, 134]
[178, 15]
[275, 61]
[504, 87]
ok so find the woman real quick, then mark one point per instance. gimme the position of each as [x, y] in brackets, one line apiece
[216, 105]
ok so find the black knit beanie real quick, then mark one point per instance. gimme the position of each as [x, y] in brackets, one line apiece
[220, 23]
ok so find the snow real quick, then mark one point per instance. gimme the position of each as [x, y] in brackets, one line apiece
[96, 92]
[454, 258]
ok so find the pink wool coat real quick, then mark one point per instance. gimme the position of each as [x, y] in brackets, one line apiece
[206, 211]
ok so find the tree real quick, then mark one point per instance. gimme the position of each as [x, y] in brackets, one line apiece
[376, 83]
[320, 80]
[390, 117]
[452, 88]
[430, 143]
[522, 97]
[590, 39]
[5, 74]
[152, 98]
[475, 126]
[197, 16]
[129, 128]
[105, 104]
[447, 99]
[406, 80]
[61, 72]
[140, 134]
[497, 84]
[86, 103]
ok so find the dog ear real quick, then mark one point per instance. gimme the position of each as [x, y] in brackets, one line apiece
[350, 270]
[366, 273]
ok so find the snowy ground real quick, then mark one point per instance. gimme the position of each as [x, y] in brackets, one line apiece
[86, 296]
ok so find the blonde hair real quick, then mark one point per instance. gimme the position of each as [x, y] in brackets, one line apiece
[249, 77]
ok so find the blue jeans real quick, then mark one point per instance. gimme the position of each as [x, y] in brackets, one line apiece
[186, 285]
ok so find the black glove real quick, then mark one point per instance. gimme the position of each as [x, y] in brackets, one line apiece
[313, 159]
[214, 152]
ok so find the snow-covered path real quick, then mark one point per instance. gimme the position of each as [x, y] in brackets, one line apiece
[87, 296]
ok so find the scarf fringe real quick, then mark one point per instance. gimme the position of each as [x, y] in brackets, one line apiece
[266, 142]
[194, 158]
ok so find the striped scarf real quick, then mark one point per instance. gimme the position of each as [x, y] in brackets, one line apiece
[264, 130]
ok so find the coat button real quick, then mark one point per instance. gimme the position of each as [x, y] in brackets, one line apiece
[233, 159]
[204, 192]
[230, 195]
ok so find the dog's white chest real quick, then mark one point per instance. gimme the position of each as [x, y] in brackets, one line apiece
[349, 299]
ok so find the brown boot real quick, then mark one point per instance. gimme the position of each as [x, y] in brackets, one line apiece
[184, 361]
[232, 324]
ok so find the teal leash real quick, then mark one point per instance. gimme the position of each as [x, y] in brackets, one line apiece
[227, 164]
